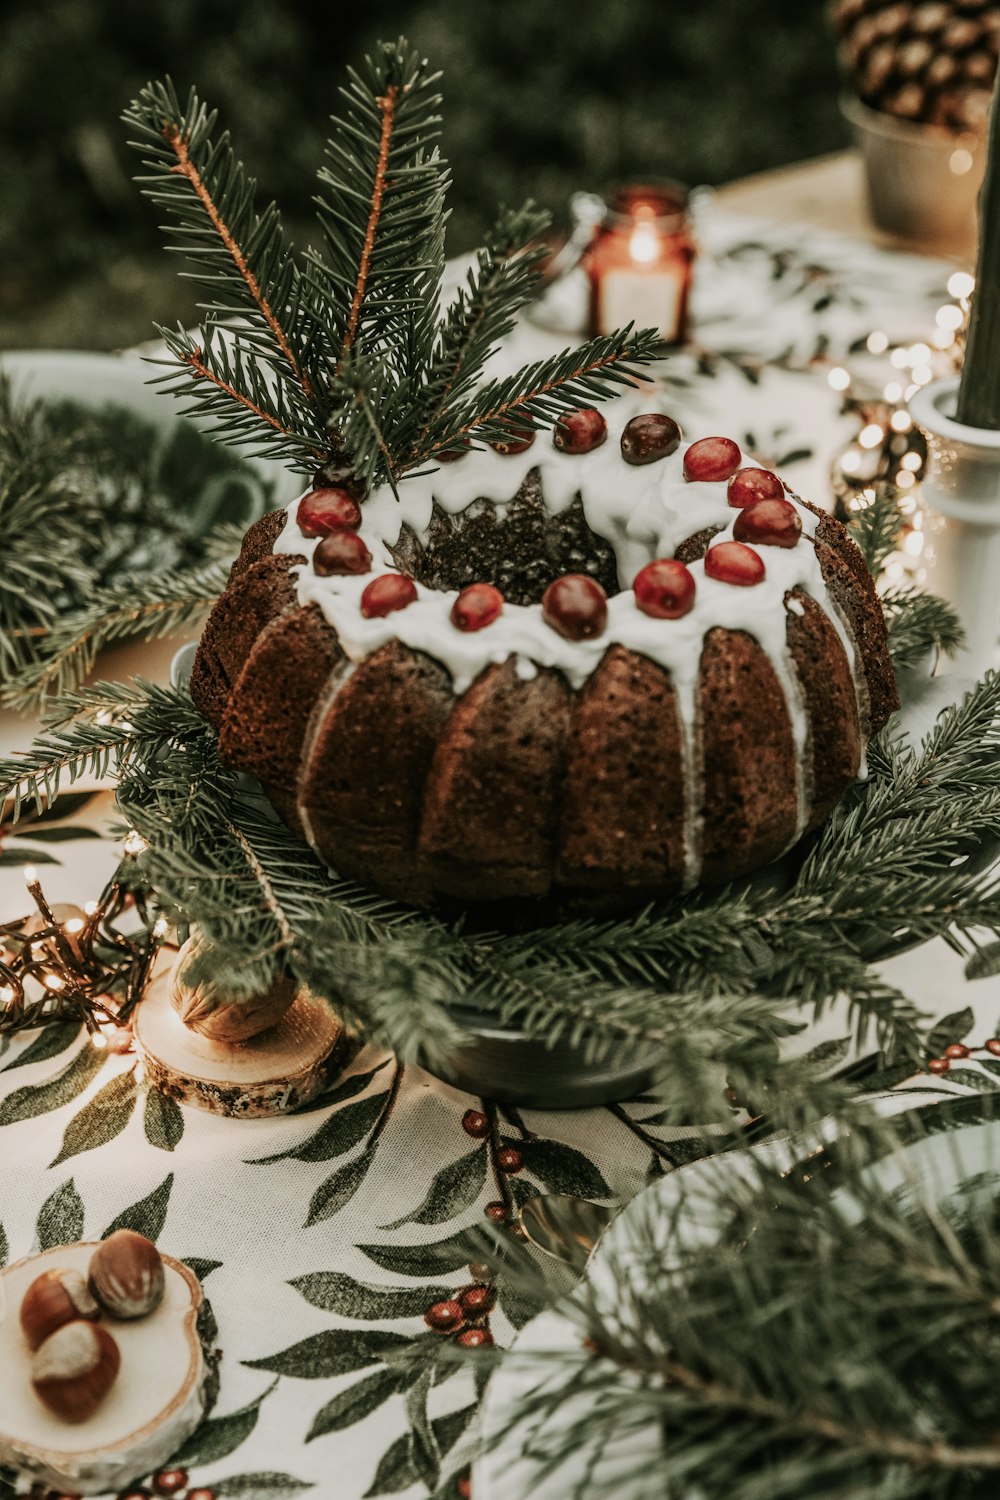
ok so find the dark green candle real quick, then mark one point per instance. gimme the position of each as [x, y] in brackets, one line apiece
[979, 390]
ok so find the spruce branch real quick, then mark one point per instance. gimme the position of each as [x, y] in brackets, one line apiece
[876, 528]
[919, 624]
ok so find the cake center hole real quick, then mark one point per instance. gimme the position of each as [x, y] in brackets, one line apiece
[519, 548]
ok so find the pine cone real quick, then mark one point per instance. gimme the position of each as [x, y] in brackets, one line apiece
[932, 62]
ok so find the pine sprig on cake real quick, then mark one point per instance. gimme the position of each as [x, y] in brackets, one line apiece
[343, 354]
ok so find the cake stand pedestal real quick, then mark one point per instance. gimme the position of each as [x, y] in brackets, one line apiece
[962, 487]
[270, 1074]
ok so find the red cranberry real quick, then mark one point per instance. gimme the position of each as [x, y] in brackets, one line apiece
[748, 485]
[477, 606]
[475, 1123]
[575, 606]
[463, 1487]
[384, 595]
[458, 449]
[170, 1481]
[712, 458]
[769, 523]
[339, 476]
[341, 552]
[519, 441]
[477, 1301]
[509, 1159]
[649, 437]
[957, 1049]
[579, 431]
[443, 1316]
[731, 562]
[200, 1494]
[475, 1338]
[664, 589]
[323, 511]
[495, 1211]
[939, 1065]
[993, 1045]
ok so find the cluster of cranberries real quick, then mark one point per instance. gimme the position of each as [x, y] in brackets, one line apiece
[575, 605]
[172, 1482]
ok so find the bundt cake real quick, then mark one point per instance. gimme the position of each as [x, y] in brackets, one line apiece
[592, 665]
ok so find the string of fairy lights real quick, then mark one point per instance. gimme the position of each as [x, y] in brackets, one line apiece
[888, 449]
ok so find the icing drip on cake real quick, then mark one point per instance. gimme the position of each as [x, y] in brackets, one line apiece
[642, 512]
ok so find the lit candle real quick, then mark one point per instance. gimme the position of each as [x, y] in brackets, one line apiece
[639, 262]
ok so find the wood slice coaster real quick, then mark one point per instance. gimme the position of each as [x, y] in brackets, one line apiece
[166, 1383]
[271, 1074]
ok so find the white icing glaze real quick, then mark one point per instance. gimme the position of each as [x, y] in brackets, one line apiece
[643, 512]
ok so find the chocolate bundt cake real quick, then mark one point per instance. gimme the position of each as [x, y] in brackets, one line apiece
[597, 664]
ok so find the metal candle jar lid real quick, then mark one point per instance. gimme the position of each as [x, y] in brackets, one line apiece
[639, 258]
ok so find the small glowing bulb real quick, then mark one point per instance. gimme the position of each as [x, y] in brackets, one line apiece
[919, 354]
[98, 1041]
[6, 996]
[961, 284]
[160, 927]
[74, 925]
[893, 392]
[54, 982]
[905, 478]
[913, 544]
[30, 875]
[851, 462]
[911, 390]
[871, 436]
[960, 162]
[838, 378]
[922, 374]
[911, 461]
[901, 421]
[642, 245]
[942, 338]
[135, 843]
[949, 316]
[878, 342]
[90, 908]
[900, 358]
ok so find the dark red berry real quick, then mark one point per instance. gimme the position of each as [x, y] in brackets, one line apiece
[200, 1494]
[477, 1301]
[341, 552]
[664, 589]
[938, 1065]
[579, 431]
[477, 606]
[444, 1316]
[769, 523]
[463, 1487]
[170, 1481]
[519, 441]
[475, 1123]
[650, 437]
[495, 1211]
[323, 511]
[576, 606]
[957, 1049]
[731, 562]
[993, 1045]
[458, 449]
[479, 1271]
[339, 476]
[509, 1159]
[748, 485]
[475, 1338]
[712, 458]
[384, 595]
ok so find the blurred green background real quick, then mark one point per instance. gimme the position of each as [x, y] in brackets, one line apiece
[541, 99]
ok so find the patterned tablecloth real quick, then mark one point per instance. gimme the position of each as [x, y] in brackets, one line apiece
[325, 1237]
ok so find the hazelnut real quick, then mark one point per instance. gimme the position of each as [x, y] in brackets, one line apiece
[75, 1369]
[54, 1298]
[126, 1275]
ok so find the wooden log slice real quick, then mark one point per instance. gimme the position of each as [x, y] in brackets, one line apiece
[270, 1074]
[167, 1382]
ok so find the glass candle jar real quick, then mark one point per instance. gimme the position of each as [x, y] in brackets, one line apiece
[639, 261]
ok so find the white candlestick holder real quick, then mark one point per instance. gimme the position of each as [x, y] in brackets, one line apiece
[962, 487]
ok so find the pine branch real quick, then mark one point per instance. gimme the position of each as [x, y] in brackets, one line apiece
[877, 528]
[151, 607]
[919, 625]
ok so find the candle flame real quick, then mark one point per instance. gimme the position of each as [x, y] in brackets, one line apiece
[643, 246]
